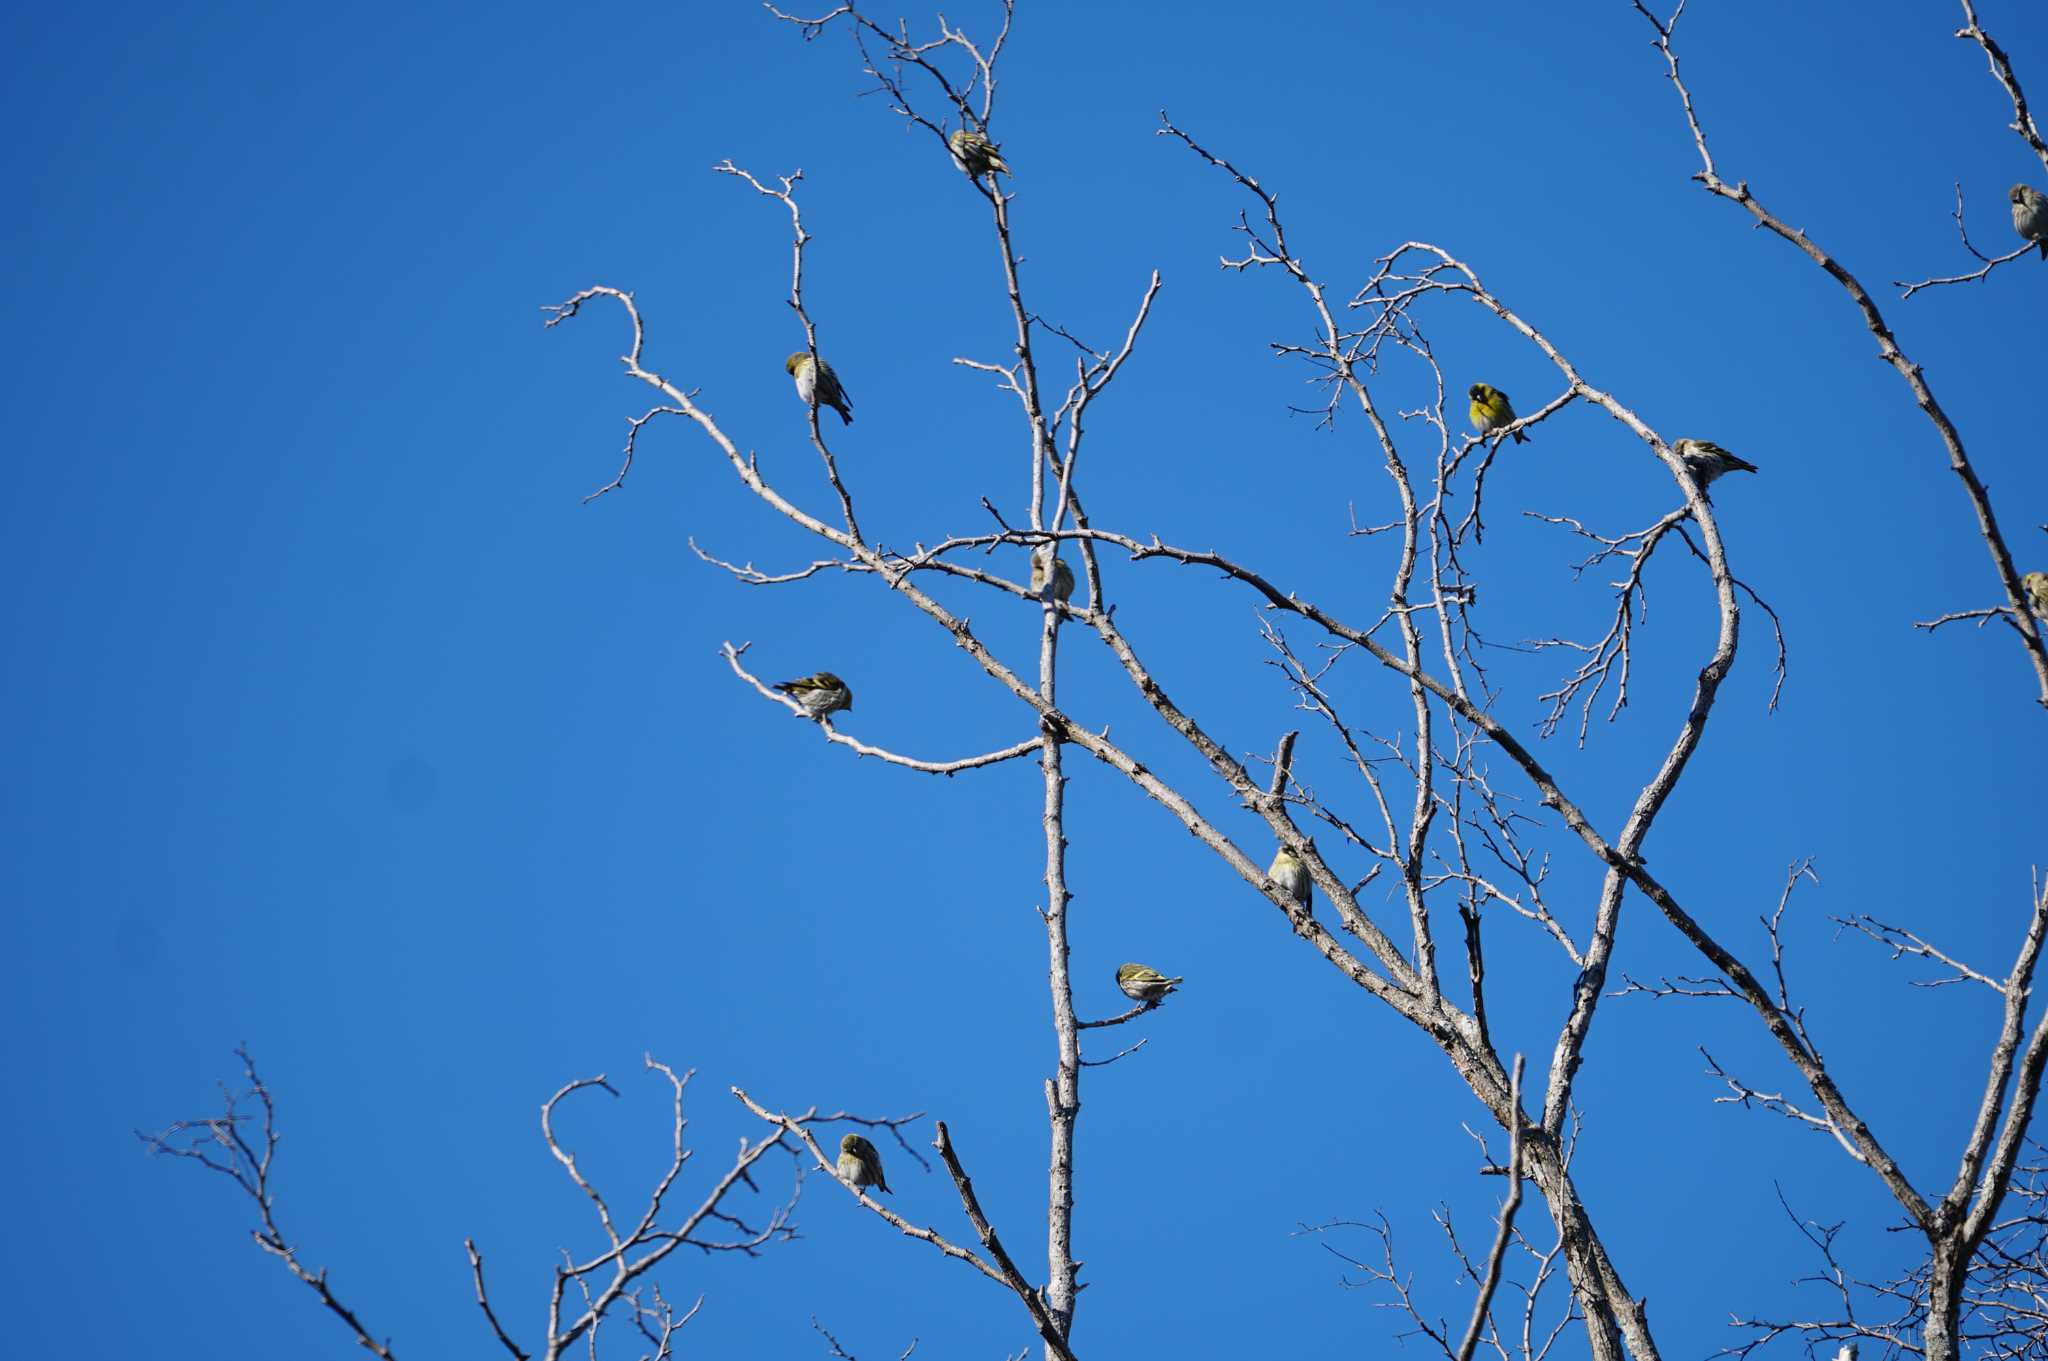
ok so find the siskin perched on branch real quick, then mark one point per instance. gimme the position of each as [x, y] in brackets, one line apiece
[1706, 460]
[2036, 584]
[818, 383]
[2030, 214]
[1062, 578]
[1290, 874]
[1491, 410]
[860, 1165]
[819, 694]
[1141, 984]
[975, 154]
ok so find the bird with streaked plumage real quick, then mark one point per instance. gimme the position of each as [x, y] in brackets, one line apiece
[1142, 984]
[1290, 874]
[860, 1165]
[1706, 460]
[818, 383]
[819, 694]
[2030, 214]
[1491, 410]
[975, 154]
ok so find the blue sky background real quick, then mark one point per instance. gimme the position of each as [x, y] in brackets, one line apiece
[341, 728]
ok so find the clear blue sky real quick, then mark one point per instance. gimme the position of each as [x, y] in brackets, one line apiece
[340, 727]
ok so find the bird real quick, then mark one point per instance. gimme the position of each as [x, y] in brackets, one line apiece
[821, 381]
[1706, 460]
[2036, 586]
[820, 694]
[1290, 874]
[2030, 214]
[1491, 410]
[1062, 578]
[860, 1165]
[975, 154]
[1141, 984]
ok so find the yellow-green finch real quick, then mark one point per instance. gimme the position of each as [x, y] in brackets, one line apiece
[1290, 874]
[1141, 984]
[1491, 410]
[1706, 460]
[1062, 578]
[817, 383]
[975, 154]
[2036, 586]
[819, 694]
[2030, 214]
[860, 1165]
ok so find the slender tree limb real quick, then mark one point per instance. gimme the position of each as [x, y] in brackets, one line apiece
[2001, 71]
[219, 1145]
[1887, 343]
[798, 1126]
[1490, 1281]
[1989, 262]
[859, 748]
[483, 1300]
[1048, 1329]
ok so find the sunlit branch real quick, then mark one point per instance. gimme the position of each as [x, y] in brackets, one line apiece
[859, 748]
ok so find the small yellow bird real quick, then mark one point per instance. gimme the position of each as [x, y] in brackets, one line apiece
[1706, 460]
[1491, 410]
[819, 695]
[820, 383]
[2036, 584]
[975, 154]
[1141, 984]
[860, 1165]
[1290, 874]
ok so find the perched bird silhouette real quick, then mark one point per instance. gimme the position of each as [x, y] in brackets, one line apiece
[1062, 578]
[1491, 410]
[820, 694]
[860, 1165]
[1706, 460]
[817, 383]
[1290, 874]
[1141, 984]
[975, 154]
[2030, 214]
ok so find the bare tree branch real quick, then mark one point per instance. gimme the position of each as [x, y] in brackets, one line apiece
[219, 1145]
[1873, 320]
[1490, 1281]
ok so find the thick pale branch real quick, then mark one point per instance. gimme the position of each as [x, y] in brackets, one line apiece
[2026, 1091]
